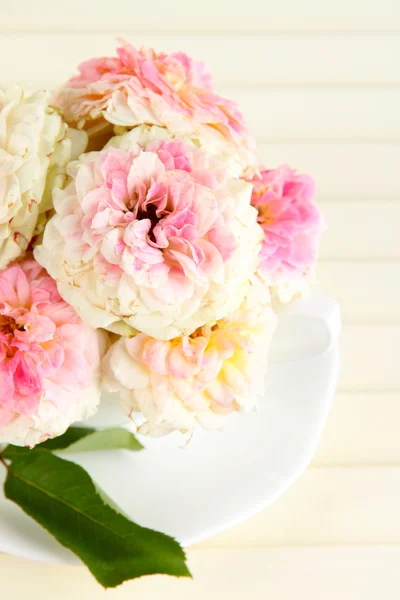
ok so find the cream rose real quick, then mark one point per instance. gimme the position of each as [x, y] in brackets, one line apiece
[35, 145]
[196, 379]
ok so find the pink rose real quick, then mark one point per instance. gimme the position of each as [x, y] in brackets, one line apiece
[292, 226]
[145, 87]
[49, 360]
[152, 234]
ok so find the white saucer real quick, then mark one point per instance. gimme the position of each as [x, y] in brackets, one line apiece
[221, 478]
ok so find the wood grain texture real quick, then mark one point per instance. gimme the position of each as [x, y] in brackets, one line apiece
[338, 506]
[257, 60]
[368, 291]
[340, 573]
[362, 429]
[319, 113]
[370, 358]
[342, 170]
[208, 16]
[361, 230]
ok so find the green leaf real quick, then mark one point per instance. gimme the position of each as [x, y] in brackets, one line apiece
[71, 436]
[62, 498]
[85, 439]
[11, 451]
[106, 439]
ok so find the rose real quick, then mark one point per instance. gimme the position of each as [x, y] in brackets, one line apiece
[34, 147]
[49, 359]
[292, 226]
[151, 234]
[198, 378]
[170, 90]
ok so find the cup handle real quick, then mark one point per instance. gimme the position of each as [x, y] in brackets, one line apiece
[307, 329]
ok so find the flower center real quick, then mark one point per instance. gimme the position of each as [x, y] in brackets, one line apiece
[197, 333]
[264, 216]
[200, 333]
[149, 212]
[9, 325]
[263, 209]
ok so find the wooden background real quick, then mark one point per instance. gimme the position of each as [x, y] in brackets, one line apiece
[319, 82]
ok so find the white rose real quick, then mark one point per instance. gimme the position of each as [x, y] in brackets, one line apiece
[34, 144]
[197, 379]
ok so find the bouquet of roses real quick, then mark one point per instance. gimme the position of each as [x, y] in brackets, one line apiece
[144, 250]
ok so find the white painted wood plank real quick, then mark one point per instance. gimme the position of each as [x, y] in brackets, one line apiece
[361, 230]
[362, 429]
[315, 113]
[345, 573]
[273, 60]
[370, 358]
[359, 171]
[225, 15]
[326, 506]
[368, 292]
